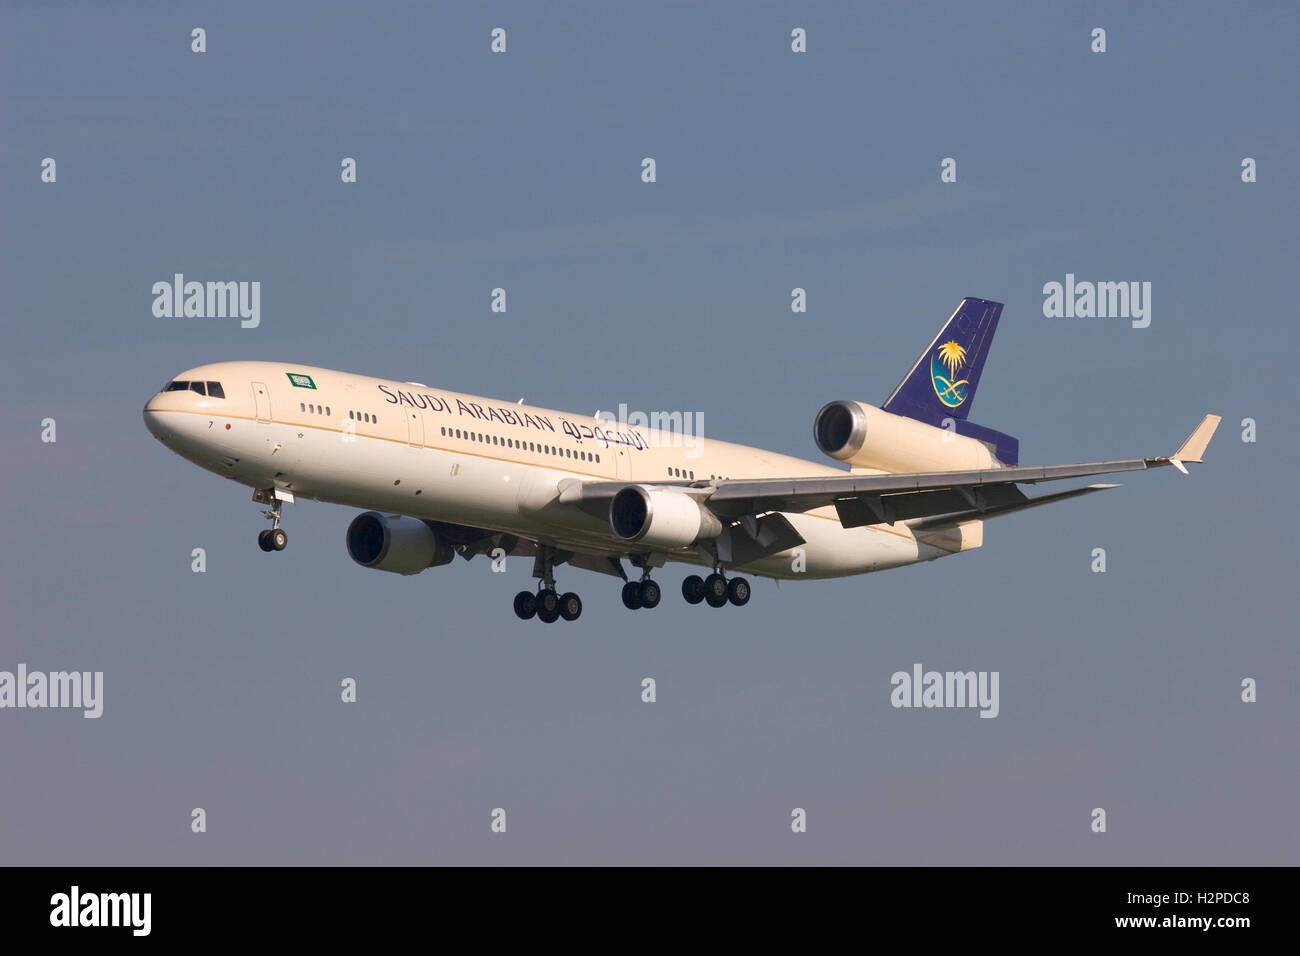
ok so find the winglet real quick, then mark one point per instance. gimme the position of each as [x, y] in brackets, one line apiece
[1194, 447]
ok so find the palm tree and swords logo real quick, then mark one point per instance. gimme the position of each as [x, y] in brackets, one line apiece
[948, 358]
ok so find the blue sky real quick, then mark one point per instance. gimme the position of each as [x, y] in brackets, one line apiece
[775, 170]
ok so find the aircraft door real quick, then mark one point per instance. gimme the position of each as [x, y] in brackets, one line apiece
[414, 428]
[262, 402]
[622, 466]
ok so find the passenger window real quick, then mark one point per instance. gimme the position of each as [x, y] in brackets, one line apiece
[215, 390]
[302, 406]
[177, 387]
[327, 410]
[198, 387]
[598, 459]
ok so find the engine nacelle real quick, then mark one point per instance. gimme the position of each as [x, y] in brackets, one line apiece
[869, 437]
[396, 543]
[661, 517]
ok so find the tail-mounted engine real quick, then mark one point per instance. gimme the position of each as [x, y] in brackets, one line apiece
[868, 437]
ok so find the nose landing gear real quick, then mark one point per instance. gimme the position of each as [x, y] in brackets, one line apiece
[274, 538]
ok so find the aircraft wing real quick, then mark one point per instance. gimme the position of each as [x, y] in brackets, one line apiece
[884, 499]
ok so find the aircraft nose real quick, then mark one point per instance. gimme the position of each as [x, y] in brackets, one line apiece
[152, 419]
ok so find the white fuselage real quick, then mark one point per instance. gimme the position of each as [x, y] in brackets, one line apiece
[429, 453]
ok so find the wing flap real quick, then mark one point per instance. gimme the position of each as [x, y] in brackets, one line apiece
[943, 521]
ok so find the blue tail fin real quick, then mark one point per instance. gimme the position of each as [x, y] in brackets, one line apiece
[941, 385]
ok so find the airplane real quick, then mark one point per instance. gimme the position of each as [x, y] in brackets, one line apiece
[443, 474]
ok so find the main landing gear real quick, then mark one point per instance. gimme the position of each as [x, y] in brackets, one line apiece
[638, 594]
[644, 593]
[547, 605]
[716, 590]
[274, 538]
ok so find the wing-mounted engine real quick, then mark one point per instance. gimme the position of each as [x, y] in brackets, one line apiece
[867, 437]
[396, 543]
[661, 517]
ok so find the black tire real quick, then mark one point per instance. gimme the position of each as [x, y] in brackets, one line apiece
[548, 604]
[525, 605]
[650, 593]
[263, 541]
[738, 592]
[277, 539]
[693, 589]
[570, 606]
[715, 590]
[632, 595]
[548, 617]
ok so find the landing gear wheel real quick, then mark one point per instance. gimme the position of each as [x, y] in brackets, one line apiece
[548, 606]
[738, 592]
[525, 605]
[632, 595]
[570, 606]
[650, 593]
[277, 539]
[262, 541]
[693, 589]
[715, 590]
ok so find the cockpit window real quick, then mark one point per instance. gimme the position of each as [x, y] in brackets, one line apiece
[213, 389]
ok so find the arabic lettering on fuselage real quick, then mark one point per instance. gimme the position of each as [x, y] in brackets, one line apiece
[505, 415]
